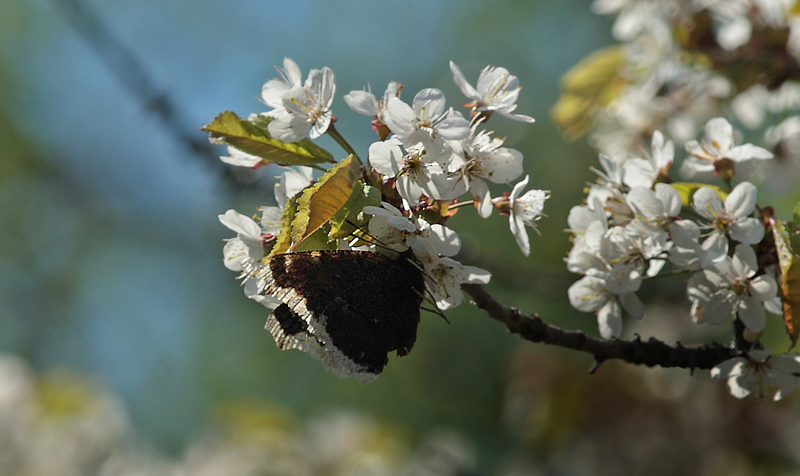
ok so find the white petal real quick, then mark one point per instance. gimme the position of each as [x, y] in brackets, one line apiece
[289, 128]
[714, 248]
[763, 288]
[444, 240]
[399, 117]
[362, 102]
[749, 151]
[751, 313]
[639, 173]
[684, 233]
[633, 305]
[719, 133]
[520, 234]
[742, 200]
[241, 224]
[516, 117]
[588, 294]
[409, 189]
[670, 198]
[386, 158]
[475, 275]
[581, 216]
[453, 126]
[609, 320]
[463, 85]
[741, 386]
[504, 165]
[728, 368]
[232, 254]
[429, 104]
[707, 203]
[747, 230]
[719, 307]
[745, 263]
[481, 197]
[644, 203]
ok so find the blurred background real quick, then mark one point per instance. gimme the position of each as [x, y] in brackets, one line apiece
[129, 349]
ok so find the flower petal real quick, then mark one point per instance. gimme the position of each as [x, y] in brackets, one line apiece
[707, 203]
[742, 200]
[752, 314]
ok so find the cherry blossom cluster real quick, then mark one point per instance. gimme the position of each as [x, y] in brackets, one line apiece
[682, 63]
[426, 157]
[636, 225]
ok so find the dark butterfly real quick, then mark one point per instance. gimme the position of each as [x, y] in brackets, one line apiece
[348, 309]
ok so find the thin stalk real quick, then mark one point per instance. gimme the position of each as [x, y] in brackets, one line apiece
[342, 142]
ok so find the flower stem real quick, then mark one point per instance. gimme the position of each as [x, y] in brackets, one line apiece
[342, 142]
[461, 204]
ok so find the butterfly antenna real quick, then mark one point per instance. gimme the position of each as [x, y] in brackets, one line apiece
[372, 239]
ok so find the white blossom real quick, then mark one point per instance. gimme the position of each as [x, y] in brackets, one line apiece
[391, 229]
[273, 90]
[291, 182]
[729, 219]
[445, 277]
[525, 210]
[419, 166]
[730, 287]
[482, 157]
[761, 373]
[718, 145]
[299, 110]
[607, 295]
[241, 158]
[644, 172]
[427, 112]
[365, 103]
[497, 91]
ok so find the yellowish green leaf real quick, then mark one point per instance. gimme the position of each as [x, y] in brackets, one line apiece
[350, 218]
[284, 239]
[251, 136]
[789, 263]
[687, 189]
[322, 201]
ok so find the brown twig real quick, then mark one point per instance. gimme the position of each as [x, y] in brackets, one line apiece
[651, 352]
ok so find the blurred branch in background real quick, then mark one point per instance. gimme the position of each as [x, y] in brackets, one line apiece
[131, 72]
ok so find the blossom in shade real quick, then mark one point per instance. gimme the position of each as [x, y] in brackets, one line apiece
[639, 172]
[731, 287]
[731, 218]
[761, 373]
[524, 210]
[718, 146]
[445, 277]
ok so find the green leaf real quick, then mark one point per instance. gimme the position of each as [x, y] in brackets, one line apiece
[323, 200]
[349, 218]
[284, 239]
[252, 136]
[789, 265]
[687, 189]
